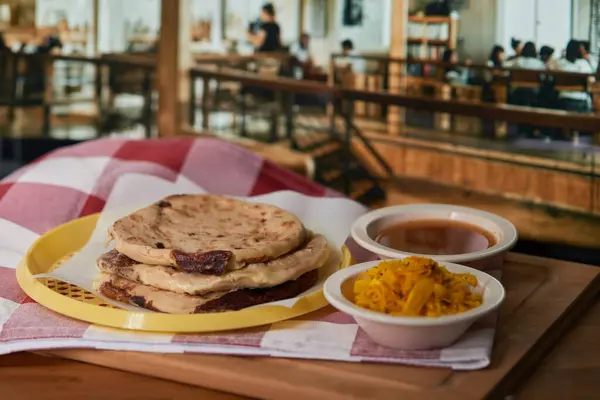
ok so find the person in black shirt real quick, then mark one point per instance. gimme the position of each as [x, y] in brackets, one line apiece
[268, 35]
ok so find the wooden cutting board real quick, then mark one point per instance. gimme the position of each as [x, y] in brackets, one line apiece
[544, 298]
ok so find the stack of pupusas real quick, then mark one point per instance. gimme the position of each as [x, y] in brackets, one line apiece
[205, 253]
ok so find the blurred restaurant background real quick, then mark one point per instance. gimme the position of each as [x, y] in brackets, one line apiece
[486, 103]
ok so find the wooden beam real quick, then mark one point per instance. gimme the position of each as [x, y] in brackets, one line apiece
[174, 61]
[399, 26]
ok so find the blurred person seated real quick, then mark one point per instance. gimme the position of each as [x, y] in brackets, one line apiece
[527, 59]
[517, 46]
[548, 96]
[452, 73]
[525, 96]
[303, 61]
[587, 55]
[265, 35]
[546, 55]
[574, 61]
[305, 68]
[348, 60]
[496, 59]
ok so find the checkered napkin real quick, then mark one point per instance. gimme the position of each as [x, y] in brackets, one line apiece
[76, 181]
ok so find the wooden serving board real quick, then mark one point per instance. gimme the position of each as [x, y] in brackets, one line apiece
[544, 298]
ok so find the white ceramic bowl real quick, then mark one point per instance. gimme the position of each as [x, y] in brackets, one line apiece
[411, 333]
[367, 227]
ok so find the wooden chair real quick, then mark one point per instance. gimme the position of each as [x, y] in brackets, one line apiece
[429, 87]
[524, 78]
[125, 78]
[8, 81]
[570, 83]
[523, 90]
[7, 77]
[472, 94]
[595, 92]
[261, 102]
[422, 86]
[69, 75]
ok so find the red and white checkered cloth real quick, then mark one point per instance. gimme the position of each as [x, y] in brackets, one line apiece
[76, 181]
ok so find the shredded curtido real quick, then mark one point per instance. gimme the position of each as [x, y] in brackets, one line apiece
[415, 286]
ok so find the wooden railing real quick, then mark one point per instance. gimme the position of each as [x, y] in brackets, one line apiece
[227, 59]
[147, 65]
[426, 77]
[572, 183]
[515, 114]
[380, 145]
[439, 64]
[113, 74]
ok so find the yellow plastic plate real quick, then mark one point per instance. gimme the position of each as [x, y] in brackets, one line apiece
[60, 243]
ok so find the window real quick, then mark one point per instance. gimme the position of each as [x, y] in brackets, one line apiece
[545, 22]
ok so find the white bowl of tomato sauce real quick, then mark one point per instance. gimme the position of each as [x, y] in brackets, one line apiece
[445, 233]
[412, 332]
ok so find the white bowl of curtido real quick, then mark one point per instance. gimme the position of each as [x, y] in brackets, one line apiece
[414, 303]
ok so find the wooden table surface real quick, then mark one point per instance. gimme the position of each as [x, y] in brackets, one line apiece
[570, 371]
[32, 376]
[572, 368]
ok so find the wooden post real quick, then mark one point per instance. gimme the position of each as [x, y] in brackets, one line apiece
[453, 33]
[331, 104]
[301, 13]
[399, 25]
[443, 120]
[223, 18]
[48, 94]
[96, 26]
[205, 104]
[174, 61]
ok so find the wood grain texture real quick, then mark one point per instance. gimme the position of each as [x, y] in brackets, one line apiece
[31, 376]
[174, 60]
[540, 292]
[533, 222]
[556, 183]
[571, 369]
[399, 16]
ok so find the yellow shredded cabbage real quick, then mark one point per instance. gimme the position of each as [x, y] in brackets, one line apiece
[415, 286]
